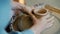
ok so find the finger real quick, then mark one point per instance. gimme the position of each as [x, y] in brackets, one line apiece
[50, 19]
[33, 17]
[50, 24]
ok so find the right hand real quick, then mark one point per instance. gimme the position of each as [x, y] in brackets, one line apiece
[42, 23]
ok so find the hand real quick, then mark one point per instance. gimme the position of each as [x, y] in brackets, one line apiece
[42, 23]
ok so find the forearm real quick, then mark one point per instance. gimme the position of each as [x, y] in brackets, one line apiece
[36, 29]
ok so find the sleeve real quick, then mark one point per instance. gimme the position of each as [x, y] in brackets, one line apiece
[24, 32]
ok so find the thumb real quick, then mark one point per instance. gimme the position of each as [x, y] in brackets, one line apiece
[33, 16]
